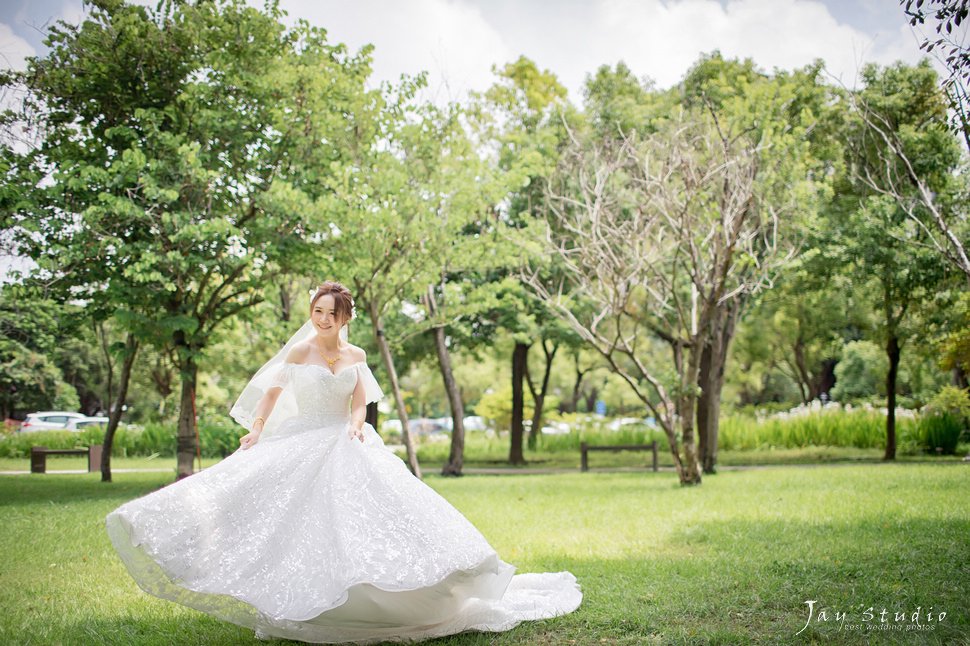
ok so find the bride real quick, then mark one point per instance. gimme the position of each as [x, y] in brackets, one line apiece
[313, 530]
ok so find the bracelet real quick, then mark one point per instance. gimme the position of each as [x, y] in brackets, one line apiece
[259, 419]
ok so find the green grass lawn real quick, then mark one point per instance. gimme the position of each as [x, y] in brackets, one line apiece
[730, 562]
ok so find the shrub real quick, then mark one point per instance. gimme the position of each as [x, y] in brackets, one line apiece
[940, 432]
[18, 445]
[944, 420]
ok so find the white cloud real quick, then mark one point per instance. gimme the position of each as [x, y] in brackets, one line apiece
[451, 40]
[661, 39]
[72, 12]
[13, 49]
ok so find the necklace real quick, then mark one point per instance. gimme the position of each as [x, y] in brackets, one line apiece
[330, 362]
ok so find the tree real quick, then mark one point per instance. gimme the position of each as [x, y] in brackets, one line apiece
[791, 112]
[518, 120]
[403, 201]
[875, 237]
[657, 234]
[178, 144]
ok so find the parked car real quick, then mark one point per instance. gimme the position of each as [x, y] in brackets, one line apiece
[427, 426]
[84, 422]
[556, 428]
[620, 422]
[48, 420]
[474, 423]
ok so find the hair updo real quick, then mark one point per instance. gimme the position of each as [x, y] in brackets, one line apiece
[343, 302]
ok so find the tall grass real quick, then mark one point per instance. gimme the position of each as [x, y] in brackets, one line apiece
[864, 429]
[218, 438]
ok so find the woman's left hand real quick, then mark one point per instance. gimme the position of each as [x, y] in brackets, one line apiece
[353, 432]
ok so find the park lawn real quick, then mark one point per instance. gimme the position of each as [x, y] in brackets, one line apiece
[732, 561]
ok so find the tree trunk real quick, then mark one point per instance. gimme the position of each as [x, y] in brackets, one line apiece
[825, 379]
[711, 383]
[577, 388]
[685, 403]
[539, 397]
[114, 419]
[958, 377]
[456, 456]
[396, 388]
[286, 303]
[893, 352]
[590, 397]
[186, 445]
[801, 369]
[109, 362]
[705, 404]
[519, 357]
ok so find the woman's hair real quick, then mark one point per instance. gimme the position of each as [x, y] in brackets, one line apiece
[343, 302]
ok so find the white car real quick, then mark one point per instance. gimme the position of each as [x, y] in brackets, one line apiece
[48, 420]
[78, 424]
[619, 423]
[474, 423]
[556, 428]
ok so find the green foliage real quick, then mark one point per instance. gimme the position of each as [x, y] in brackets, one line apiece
[950, 399]
[31, 335]
[861, 372]
[954, 341]
[496, 407]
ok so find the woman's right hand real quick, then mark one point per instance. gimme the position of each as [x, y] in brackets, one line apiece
[249, 439]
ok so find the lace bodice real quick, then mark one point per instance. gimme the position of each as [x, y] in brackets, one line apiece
[314, 395]
[317, 390]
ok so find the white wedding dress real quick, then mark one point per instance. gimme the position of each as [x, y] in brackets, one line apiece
[314, 536]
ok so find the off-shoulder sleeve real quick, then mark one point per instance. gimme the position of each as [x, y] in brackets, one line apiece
[282, 376]
[372, 391]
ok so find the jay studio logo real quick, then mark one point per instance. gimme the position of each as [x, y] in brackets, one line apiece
[872, 618]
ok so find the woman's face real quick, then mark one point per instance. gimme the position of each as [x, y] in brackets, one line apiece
[325, 318]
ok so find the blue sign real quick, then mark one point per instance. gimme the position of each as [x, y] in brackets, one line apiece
[600, 407]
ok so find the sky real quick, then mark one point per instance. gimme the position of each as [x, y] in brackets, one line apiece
[458, 41]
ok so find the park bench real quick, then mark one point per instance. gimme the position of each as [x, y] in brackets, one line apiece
[38, 457]
[585, 448]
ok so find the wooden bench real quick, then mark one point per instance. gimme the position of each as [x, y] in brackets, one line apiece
[38, 457]
[585, 448]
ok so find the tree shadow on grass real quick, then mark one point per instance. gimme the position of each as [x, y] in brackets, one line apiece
[761, 574]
